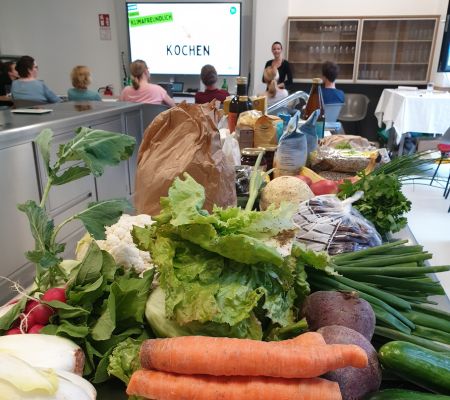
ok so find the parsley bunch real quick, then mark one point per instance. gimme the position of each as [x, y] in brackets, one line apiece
[383, 203]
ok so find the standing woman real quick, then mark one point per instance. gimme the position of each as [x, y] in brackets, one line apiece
[28, 87]
[283, 67]
[142, 91]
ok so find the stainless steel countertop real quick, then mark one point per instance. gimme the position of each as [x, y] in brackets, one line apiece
[19, 128]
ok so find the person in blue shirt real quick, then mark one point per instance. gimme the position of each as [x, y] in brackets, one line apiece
[330, 94]
[28, 87]
[81, 79]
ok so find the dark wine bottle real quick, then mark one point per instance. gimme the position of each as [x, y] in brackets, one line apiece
[239, 103]
[315, 102]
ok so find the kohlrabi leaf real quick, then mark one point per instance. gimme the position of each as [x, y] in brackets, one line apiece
[101, 214]
[70, 174]
[43, 141]
[97, 148]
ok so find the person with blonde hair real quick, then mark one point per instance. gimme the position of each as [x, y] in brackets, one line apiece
[141, 90]
[273, 93]
[81, 79]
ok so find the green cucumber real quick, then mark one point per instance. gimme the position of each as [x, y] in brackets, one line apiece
[426, 368]
[401, 394]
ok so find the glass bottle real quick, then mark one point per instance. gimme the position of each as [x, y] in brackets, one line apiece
[315, 102]
[225, 84]
[239, 103]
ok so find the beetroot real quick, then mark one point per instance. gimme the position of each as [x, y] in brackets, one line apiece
[325, 308]
[355, 383]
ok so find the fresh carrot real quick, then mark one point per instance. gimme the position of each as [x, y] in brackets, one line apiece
[159, 385]
[246, 357]
[306, 339]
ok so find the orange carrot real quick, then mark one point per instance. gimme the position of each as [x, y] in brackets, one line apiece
[245, 357]
[159, 385]
[306, 339]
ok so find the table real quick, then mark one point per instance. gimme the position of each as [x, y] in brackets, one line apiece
[414, 111]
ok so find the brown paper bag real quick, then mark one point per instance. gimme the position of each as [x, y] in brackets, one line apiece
[183, 139]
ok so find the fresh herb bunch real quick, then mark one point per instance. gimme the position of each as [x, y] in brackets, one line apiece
[383, 203]
[93, 150]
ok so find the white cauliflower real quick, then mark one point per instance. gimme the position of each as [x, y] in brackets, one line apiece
[119, 243]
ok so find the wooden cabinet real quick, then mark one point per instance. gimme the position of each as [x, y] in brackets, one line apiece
[368, 50]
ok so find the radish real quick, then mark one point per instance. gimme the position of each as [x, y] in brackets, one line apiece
[35, 328]
[13, 331]
[55, 294]
[37, 313]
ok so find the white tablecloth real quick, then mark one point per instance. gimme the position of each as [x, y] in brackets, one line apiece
[414, 111]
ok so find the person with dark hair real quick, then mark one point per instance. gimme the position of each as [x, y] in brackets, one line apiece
[141, 90]
[8, 74]
[330, 94]
[282, 65]
[28, 87]
[81, 79]
[208, 75]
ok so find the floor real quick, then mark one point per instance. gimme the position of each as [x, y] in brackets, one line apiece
[429, 220]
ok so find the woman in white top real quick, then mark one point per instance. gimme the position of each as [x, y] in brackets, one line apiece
[273, 92]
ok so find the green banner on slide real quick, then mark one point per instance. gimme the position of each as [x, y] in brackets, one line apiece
[151, 19]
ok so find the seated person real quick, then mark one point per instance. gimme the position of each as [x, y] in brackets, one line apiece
[8, 74]
[330, 94]
[81, 79]
[142, 91]
[273, 93]
[28, 87]
[208, 75]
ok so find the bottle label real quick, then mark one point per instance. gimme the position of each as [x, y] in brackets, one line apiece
[320, 129]
[232, 120]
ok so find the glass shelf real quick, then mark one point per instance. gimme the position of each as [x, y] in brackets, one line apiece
[385, 49]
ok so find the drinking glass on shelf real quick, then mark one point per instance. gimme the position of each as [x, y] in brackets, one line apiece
[353, 49]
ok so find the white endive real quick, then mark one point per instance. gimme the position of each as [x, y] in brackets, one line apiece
[21, 381]
[45, 351]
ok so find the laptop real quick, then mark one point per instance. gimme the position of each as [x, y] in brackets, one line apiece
[177, 87]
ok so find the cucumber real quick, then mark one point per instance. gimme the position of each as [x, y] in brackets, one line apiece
[426, 368]
[401, 394]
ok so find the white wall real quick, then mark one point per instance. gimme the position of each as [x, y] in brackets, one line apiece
[60, 34]
[270, 20]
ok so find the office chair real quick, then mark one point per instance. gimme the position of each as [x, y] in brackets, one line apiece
[332, 112]
[444, 148]
[355, 108]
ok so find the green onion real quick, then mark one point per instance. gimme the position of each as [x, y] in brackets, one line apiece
[432, 334]
[369, 251]
[385, 261]
[392, 270]
[395, 335]
[387, 318]
[432, 311]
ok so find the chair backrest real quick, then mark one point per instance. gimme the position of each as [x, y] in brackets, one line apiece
[355, 107]
[332, 111]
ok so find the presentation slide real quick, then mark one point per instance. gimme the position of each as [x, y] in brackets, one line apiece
[179, 38]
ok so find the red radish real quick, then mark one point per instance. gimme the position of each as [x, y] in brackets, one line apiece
[55, 294]
[35, 328]
[325, 186]
[13, 331]
[37, 313]
[305, 179]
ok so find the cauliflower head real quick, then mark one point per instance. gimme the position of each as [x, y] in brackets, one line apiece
[119, 243]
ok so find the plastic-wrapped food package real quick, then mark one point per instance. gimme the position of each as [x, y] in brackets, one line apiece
[340, 160]
[327, 223]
